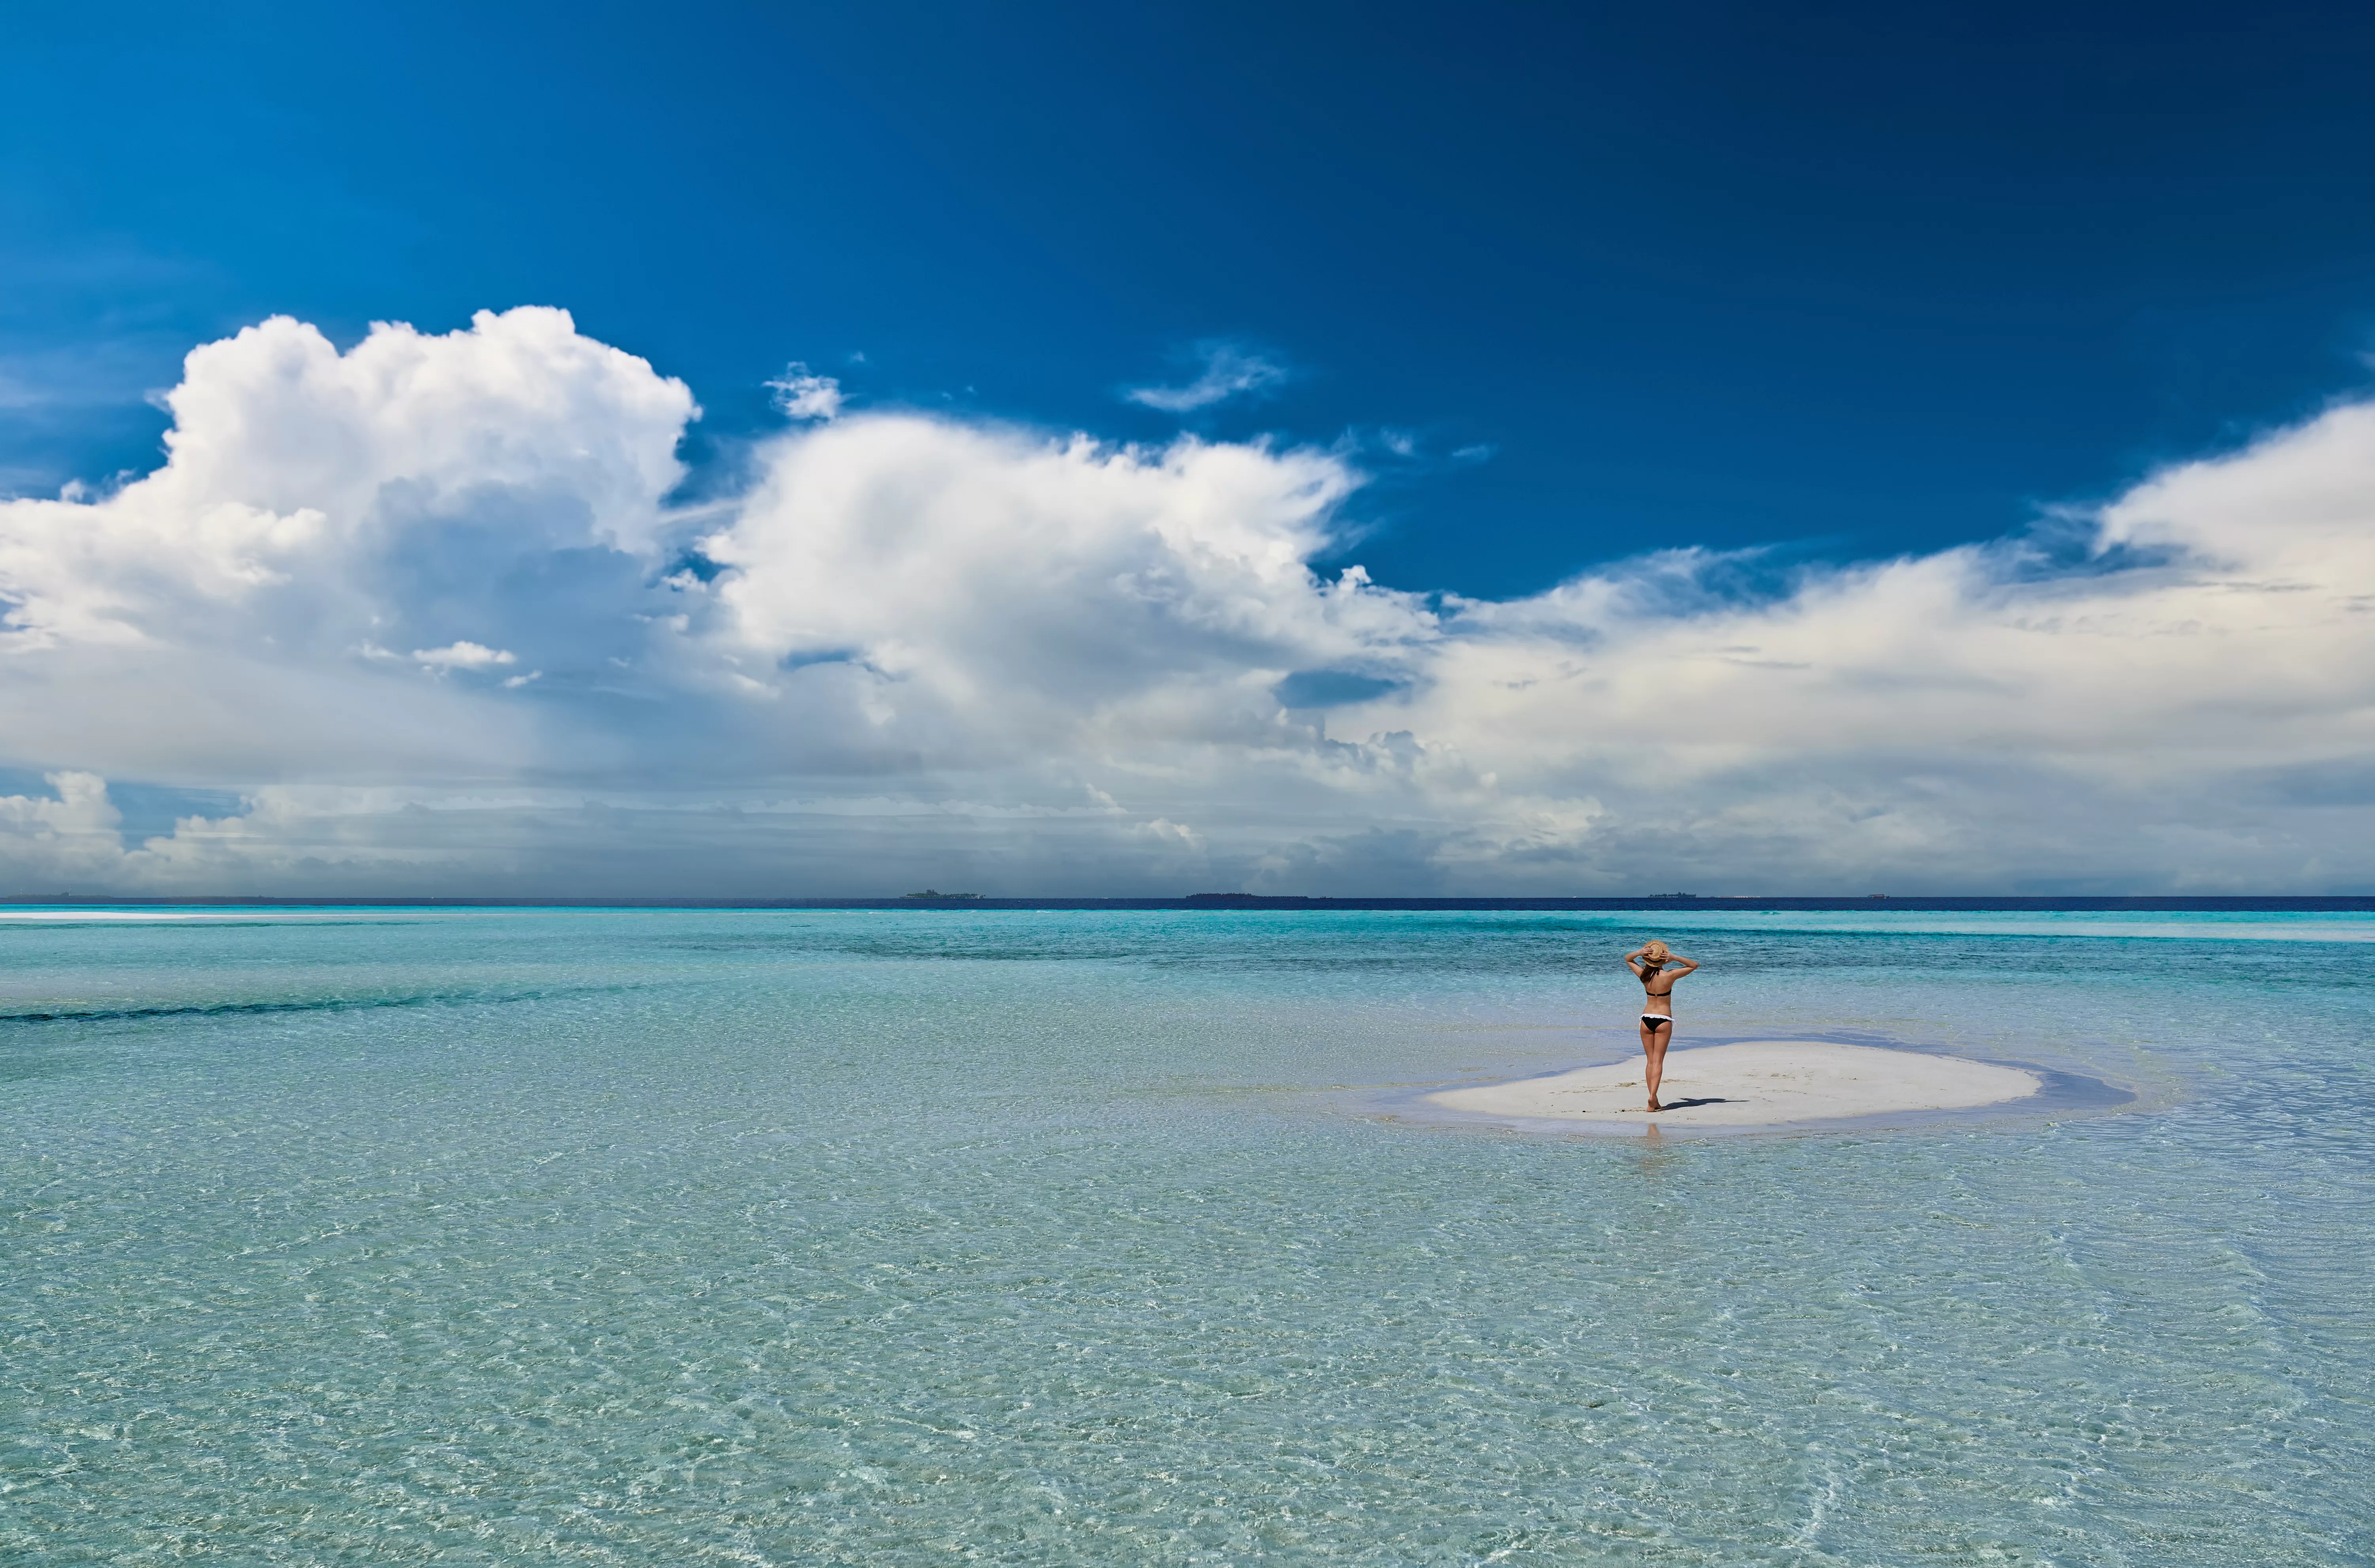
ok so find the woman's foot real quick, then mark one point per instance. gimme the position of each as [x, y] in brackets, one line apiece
[1655, 1106]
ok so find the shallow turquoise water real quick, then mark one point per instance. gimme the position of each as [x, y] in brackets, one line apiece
[663, 1237]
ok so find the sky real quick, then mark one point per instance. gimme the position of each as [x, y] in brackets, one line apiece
[815, 451]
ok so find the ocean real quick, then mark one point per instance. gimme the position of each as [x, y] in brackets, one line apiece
[1121, 1237]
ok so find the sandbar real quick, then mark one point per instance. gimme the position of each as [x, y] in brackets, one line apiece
[1753, 1083]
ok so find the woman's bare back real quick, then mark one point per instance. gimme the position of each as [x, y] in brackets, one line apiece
[1658, 974]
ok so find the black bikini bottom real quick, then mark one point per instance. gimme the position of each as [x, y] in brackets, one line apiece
[1654, 1019]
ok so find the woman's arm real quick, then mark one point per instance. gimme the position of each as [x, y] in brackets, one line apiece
[1682, 965]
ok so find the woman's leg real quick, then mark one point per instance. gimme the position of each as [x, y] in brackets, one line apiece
[1655, 1038]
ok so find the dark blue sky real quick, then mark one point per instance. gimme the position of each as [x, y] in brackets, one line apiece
[1845, 278]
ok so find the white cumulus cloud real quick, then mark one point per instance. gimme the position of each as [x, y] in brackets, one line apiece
[803, 395]
[464, 655]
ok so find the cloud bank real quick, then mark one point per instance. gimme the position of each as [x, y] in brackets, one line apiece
[426, 609]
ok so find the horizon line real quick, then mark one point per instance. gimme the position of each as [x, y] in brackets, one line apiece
[2076, 902]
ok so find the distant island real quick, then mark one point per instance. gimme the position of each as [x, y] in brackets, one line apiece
[1246, 901]
[928, 893]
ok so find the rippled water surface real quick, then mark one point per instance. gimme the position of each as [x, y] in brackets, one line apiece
[669, 1238]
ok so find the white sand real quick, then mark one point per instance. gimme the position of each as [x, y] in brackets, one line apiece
[1755, 1083]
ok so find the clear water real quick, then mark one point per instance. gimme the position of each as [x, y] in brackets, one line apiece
[643, 1237]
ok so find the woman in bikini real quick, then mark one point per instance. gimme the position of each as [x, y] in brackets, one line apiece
[1657, 969]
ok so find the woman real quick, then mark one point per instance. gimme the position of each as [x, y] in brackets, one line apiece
[1657, 969]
